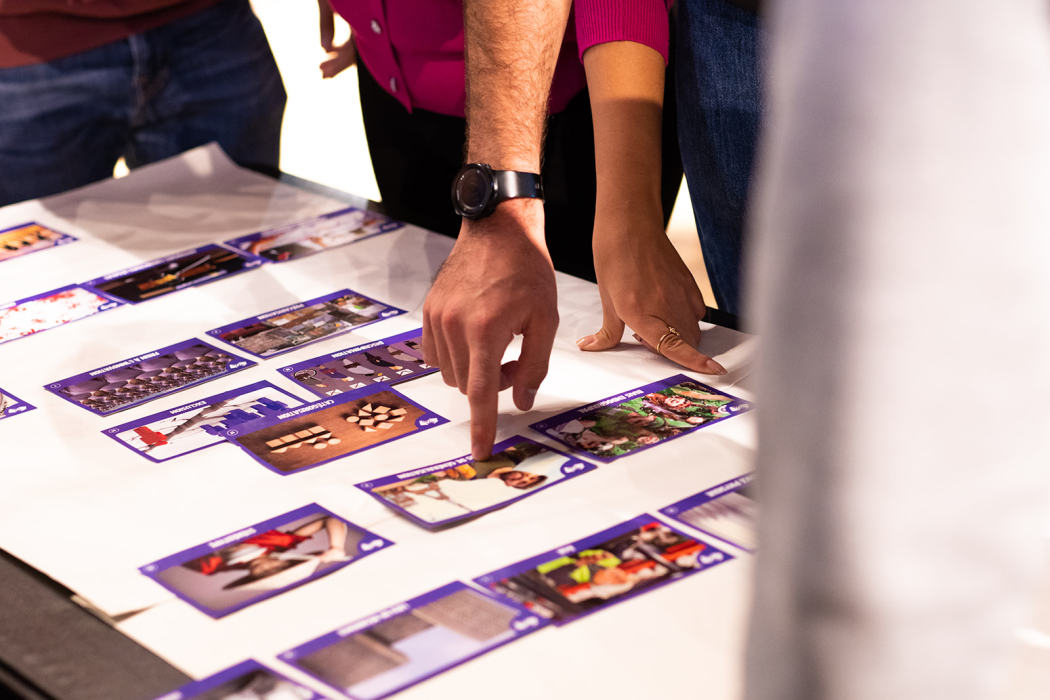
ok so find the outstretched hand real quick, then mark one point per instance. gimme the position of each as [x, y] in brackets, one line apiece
[498, 282]
[340, 56]
[645, 285]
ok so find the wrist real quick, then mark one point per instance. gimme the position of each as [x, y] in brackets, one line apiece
[514, 218]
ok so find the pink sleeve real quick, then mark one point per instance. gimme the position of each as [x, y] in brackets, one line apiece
[642, 21]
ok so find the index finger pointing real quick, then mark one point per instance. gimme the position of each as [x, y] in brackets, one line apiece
[483, 387]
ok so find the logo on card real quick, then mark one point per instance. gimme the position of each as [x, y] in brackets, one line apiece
[525, 623]
[428, 421]
[16, 409]
[388, 314]
[711, 558]
[573, 468]
[233, 433]
[108, 305]
[372, 544]
[567, 549]
[236, 365]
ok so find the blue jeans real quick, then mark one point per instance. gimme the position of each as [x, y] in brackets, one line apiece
[206, 77]
[719, 108]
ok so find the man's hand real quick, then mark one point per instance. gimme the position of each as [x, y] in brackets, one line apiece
[498, 282]
[340, 56]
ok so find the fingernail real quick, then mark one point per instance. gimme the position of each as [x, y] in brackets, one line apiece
[714, 368]
[584, 339]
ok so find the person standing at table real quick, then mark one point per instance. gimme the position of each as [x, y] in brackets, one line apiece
[83, 84]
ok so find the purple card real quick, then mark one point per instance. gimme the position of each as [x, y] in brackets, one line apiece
[146, 377]
[459, 489]
[10, 405]
[260, 561]
[728, 512]
[312, 435]
[50, 310]
[247, 680]
[409, 642]
[605, 568]
[29, 238]
[174, 272]
[389, 361]
[642, 417]
[195, 426]
[283, 330]
[303, 238]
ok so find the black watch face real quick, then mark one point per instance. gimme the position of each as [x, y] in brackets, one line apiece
[473, 190]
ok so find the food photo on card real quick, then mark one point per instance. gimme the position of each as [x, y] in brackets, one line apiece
[17, 241]
[459, 489]
[291, 327]
[390, 361]
[146, 377]
[200, 424]
[248, 680]
[728, 511]
[409, 642]
[304, 238]
[190, 268]
[640, 418]
[610, 566]
[317, 433]
[262, 560]
[10, 405]
[50, 310]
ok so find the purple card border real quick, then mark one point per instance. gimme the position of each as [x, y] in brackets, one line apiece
[589, 541]
[570, 468]
[370, 543]
[523, 624]
[195, 688]
[17, 407]
[388, 312]
[206, 401]
[428, 420]
[250, 263]
[706, 496]
[236, 365]
[109, 305]
[64, 238]
[385, 227]
[290, 370]
[736, 406]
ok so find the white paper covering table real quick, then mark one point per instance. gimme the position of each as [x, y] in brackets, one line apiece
[88, 512]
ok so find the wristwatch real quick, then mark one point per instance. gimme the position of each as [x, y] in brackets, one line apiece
[477, 189]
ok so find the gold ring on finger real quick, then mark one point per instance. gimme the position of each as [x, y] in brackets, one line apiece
[672, 332]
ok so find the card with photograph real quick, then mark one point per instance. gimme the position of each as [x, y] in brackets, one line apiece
[260, 561]
[173, 273]
[459, 489]
[248, 680]
[389, 361]
[11, 405]
[303, 238]
[728, 512]
[17, 241]
[317, 433]
[49, 310]
[412, 641]
[640, 418]
[200, 424]
[147, 377]
[291, 327]
[605, 568]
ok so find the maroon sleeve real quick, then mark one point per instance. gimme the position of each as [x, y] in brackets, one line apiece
[641, 21]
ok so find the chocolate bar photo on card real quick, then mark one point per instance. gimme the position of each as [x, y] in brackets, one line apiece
[262, 560]
[248, 680]
[640, 418]
[291, 327]
[24, 239]
[49, 310]
[200, 424]
[390, 361]
[728, 511]
[317, 433]
[146, 377]
[10, 405]
[412, 641]
[190, 268]
[303, 238]
[459, 489]
[605, 568]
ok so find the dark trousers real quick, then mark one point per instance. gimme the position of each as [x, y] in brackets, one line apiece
[416, 155]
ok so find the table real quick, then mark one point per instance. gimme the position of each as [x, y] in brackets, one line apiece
[79, 484]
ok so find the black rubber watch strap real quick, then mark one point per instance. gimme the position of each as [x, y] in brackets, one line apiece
[512, 184]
